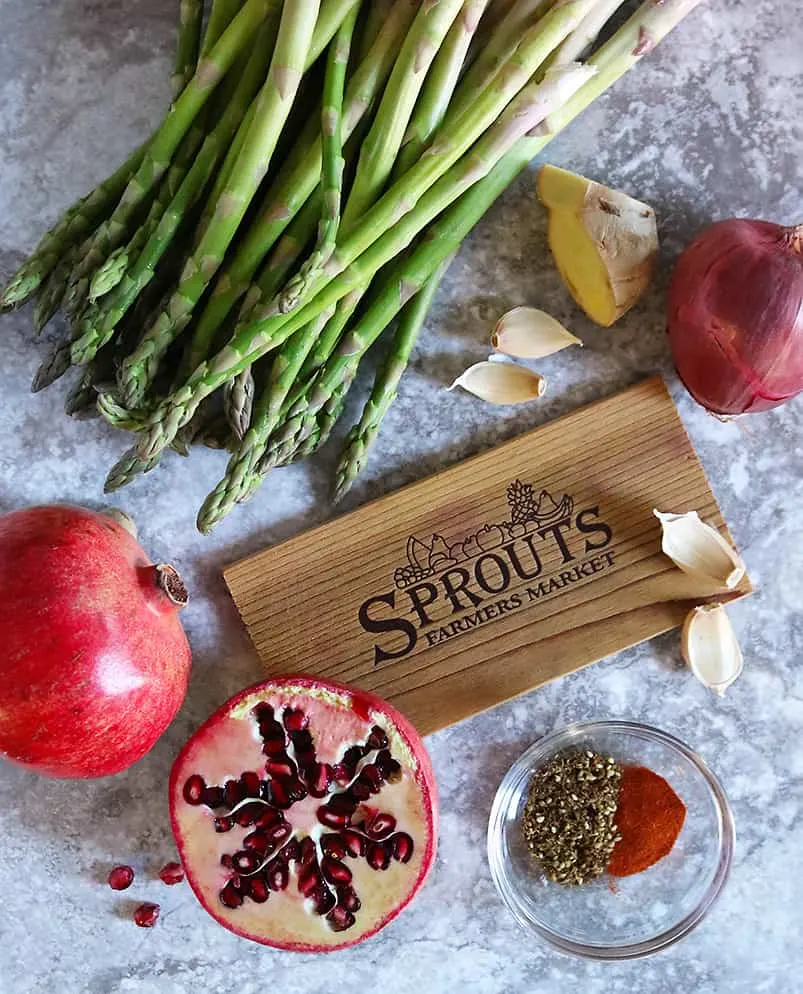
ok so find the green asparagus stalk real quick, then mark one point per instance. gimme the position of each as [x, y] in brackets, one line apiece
[98, 326]
[383, 393]
[221, 15]
[162, 148]
[377, 15]
[439, 86]
[274, 103]
[640, 34]
[53, 366]
[287, 196]
[191, 14]
[282, 376]
[381, 145]
[75, 224]
[576, 44]
[52, 291]
[333, 162]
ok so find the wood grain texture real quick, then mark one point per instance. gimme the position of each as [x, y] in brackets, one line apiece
[491, 592]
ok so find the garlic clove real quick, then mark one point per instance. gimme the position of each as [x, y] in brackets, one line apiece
[699, 550]
[527, 333]
[501, 382]
[710, 647]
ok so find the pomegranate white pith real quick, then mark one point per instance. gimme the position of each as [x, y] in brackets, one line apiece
[316, 872]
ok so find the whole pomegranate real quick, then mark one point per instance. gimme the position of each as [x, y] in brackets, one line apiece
[305, 814]
[94, 662]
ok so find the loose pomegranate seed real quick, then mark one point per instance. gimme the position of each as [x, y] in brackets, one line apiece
[380, 826]
[347, 898]
[121, 877]
[378, 855]
[377, 739]
[340, 919]
[146, 915]
[354, 842]
[214, 797]
[224, 824]
[280, 767]
[249, 784]
[332, 819]
[333, 845]
[402, 847]
[171, 873]
[335, 871]
[278, 875]
[258, 890]
[294, 720]
[194, 789]
[230, 896]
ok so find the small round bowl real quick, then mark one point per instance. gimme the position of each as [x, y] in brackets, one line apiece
[616, 918]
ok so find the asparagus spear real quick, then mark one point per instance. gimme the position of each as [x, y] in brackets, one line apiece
[189, 43]
[640, 34]
[161, 149]
[76, 222]
[221, 15]
[381, 146]
[274, 103]
[333, 162]
[377, 15]
[286, 197]
[98, 326]
[383, 393]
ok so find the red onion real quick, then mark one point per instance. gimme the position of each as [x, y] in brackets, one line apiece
[736, 316]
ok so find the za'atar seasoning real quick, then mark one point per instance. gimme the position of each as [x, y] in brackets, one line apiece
[569, 820]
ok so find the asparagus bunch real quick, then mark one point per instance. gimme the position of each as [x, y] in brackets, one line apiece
[224, 285]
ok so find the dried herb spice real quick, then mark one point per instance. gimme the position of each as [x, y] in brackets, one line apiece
[569, 821]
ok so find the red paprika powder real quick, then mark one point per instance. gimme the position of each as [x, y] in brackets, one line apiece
[649, 818]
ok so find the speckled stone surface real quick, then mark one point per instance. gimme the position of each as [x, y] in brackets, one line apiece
[709, 126]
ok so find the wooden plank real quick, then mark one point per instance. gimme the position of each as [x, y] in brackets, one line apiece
[498, 574]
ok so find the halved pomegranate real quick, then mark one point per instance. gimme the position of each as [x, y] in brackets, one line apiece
[305, 814]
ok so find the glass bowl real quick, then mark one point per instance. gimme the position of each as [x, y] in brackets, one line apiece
[616, 918]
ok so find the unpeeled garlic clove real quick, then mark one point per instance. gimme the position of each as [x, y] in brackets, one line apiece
[710, 648]
[527, 333]
[501, 382]
[699, 550]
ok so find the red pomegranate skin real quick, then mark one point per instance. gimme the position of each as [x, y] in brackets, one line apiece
[95, 662]
[733, 322]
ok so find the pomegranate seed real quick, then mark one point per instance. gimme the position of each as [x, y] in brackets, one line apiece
[280, 767]
[333, 845]
[257, 841]
[352, 756]
[318, 776]
[121, 877]
[296, 791]
[146, 915]
[278, 795]
[347, 898]
[302, 741]
[332, 819]
[258, 890]
[380, 826]
[377, 739]
[354, 842]
[171, 873]
[248, 814]
[360, 789]
[214, 797]
[294, 720]
[238, 883]
[342, 804]
[323, 899]
[268, 818]
[335, 871]
[402, 847]
[309, 879]
[342, 774]
[224, 824]
[340, 919]
[245, 862]
[274, 742]
[262, 711]
[230, 896]
[291, 852]
[371, 774]
[388, 767]
[278, 875]
[307, 851]
[378, 855]
[194, 789]
[232, 792]
[249, 784]
[279, 832]
[227, 861]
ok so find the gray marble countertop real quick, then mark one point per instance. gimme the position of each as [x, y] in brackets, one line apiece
[707, 127]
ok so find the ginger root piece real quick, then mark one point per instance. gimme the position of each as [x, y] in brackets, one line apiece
[604, 242]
